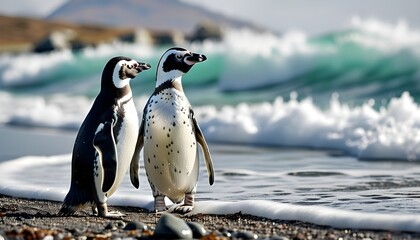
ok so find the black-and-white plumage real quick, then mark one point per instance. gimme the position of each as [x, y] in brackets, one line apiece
[169, 134]
[106, 140]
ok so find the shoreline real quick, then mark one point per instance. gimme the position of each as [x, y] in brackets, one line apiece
[20, 217]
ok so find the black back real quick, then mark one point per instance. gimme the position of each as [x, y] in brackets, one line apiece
[82, 188]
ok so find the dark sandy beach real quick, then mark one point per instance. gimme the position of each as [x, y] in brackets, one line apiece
[36, 219]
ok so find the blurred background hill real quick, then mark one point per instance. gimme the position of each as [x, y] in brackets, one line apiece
[21, 33]
[166, 15]
[310, 17]
[79, 23]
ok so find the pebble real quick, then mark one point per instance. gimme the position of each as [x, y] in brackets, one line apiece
[77, 231]
[276, 237]
[245, 235]
[224, 232]
[197, 229]
[136, 225]
[111, 226]
[59, 236]
[48, 237]
[120, 224]
[171, 227]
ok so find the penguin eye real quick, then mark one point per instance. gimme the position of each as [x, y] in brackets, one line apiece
[130, 66]
[179, 56]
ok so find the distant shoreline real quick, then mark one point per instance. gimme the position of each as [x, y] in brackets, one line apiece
[20, 34]
[23, 34]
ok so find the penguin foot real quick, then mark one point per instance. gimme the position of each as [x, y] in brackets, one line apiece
[160, 205]
[188, 204]
[102, 211]
[94, 210]
[159, 210]
[183, 209]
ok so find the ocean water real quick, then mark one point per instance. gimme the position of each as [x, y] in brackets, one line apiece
[324, 129]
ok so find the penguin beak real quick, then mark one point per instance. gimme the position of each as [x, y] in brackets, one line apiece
[142, 66]
[195, 58]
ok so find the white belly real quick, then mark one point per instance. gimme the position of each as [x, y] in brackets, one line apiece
[126, 143]
[170, 150]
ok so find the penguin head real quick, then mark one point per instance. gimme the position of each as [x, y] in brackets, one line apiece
[175, 62]
[119, 71]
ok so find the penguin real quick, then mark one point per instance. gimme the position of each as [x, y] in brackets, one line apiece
[170, 136]
[106, 141]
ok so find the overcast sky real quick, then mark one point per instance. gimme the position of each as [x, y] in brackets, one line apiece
[33, 8]
[311, 16]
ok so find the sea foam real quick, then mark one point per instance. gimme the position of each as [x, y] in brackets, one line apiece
[313, 214]
[391, 131]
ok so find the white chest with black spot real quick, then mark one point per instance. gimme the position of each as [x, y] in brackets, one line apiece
[170, 148]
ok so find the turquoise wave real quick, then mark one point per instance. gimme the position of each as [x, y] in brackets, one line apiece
[358, 63]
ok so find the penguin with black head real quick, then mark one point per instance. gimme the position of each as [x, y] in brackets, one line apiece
[106, 140]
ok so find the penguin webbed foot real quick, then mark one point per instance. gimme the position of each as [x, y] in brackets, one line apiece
[159, 210]
[95, 211]
[188, 204]
[183, 209]
[102, 211]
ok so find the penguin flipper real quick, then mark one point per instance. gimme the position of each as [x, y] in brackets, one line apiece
[104, 143]
[202, 141]
[134, 165]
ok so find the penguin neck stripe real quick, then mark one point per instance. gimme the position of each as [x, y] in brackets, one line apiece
[167, 85]
[123, 93]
